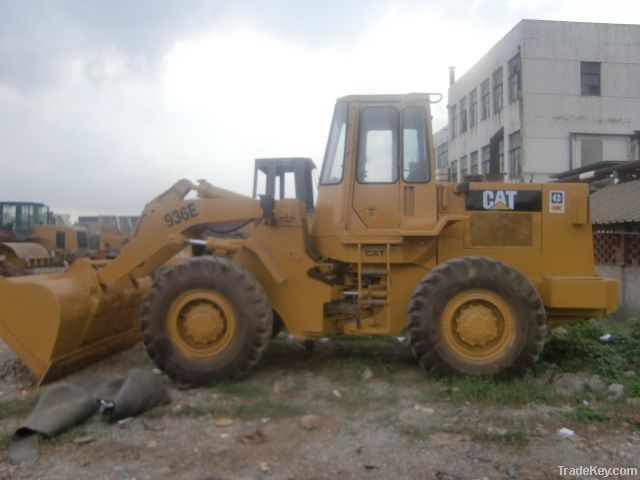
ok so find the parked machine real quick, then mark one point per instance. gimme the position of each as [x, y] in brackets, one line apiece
[31, 243]
[474, 271]
[108, 233]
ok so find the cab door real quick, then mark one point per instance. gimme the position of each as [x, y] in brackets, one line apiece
[376, 190]
[393, 188]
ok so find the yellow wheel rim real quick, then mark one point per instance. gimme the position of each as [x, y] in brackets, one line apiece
[201, 323]
[478, 326]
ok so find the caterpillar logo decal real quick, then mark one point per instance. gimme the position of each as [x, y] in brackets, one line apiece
[505, 200]
[499, 199]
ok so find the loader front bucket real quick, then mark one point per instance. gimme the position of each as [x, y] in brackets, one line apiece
[61, 322]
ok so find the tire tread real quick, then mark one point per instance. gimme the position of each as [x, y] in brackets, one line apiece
[253, 308]
[450, 278]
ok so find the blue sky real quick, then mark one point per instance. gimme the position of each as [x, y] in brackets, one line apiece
[103, 105]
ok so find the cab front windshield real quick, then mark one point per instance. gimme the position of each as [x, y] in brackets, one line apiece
[392, 143]
[333, 165]
[7, 216]
[40, 215]
[21, 216]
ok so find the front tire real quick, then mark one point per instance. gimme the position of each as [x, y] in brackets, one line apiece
[206, 320]
[476, 315]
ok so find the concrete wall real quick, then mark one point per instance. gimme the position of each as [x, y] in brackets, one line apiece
[553, 108]
[629, 278]
[551, 111]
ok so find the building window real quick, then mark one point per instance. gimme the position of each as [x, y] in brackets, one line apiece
[497, 90]
[453, 118]
[474, 163]
[590, 78]
[473, 108]
[463, 115]
[515, 144]
[453, 171]
[443, 156]
[593, 148]
[591, 151]
[463, 168]
[501, 154]
[486, 156]
[515, 78]
[485, 109]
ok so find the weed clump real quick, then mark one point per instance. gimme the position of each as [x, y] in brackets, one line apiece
[581, 349]
[587, 414]
[633, 388]
[475, 389]
[17, 408]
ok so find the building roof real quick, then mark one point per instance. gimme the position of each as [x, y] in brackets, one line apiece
[616, 203]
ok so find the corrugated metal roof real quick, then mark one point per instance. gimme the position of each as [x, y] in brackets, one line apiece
[616, 203]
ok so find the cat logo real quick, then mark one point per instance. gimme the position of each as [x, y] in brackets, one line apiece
[499, 199]
[556, 201]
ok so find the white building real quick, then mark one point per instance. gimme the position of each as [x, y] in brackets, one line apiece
[548, 97]
[440, 140]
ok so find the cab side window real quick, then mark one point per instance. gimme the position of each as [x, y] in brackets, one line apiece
[415, 161]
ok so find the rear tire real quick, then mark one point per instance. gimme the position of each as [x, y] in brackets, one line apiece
[206, 320]
[476, 315]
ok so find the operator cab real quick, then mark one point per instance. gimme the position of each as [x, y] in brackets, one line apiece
[289, 177]
[377, 175]
[18, 217]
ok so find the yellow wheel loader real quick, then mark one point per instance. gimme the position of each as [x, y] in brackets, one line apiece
[31, 244]
[474, 271]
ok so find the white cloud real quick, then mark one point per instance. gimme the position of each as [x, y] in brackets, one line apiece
[109, 132]
[245, 94]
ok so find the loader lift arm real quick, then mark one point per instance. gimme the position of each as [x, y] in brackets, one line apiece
[169, 220]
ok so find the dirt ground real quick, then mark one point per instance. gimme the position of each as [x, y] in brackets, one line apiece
[380, 417]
